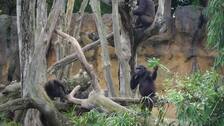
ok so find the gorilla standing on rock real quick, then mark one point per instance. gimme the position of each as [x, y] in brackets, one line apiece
[145, 79]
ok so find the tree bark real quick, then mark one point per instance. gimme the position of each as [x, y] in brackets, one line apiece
[121, 52]
[83, 60]
[34, 64]
[95, 5]
[66, 29]
[25, 29]
[128, 32]
[80, 18]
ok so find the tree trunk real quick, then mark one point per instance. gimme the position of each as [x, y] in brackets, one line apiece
[80, 18]
[122, 52]
[128, 33]
[33, 51]
[67, 47]
[25, 26]
[95, 5]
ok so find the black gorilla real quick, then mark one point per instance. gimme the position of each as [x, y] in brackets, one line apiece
[145, 79]
[55, 88]
[145, 13]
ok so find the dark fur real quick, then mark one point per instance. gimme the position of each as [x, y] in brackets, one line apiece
[145, 79]
[145, 13]
[55, 88]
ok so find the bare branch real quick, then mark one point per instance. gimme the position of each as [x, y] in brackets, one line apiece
[71, 97]
[125, 99]
[73, 57]
[95, 97]
[82, 59]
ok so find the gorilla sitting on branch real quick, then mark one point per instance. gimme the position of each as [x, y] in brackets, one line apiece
[145, 79]
[145, 14]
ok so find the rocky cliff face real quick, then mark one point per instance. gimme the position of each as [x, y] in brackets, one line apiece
[183, 53]
[9, 53]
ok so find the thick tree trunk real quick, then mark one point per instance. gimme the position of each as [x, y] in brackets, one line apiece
[95, 5]
[128, 33]
[25, 26]
[33, 60]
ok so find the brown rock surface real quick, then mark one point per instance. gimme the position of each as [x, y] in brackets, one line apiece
[175, 54]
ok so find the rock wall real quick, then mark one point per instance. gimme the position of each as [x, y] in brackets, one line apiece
[176, 54]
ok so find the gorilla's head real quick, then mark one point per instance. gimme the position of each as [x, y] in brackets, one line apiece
[140, 70]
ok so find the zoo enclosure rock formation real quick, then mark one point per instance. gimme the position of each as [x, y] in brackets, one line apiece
[176, 53]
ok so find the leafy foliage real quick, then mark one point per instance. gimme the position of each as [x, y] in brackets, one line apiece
[199, 98]
[6, 122]
[152, 62]
[216, 28]
[94, 118]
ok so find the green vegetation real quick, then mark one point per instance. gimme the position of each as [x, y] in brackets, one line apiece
[199, 98]
[6, 122]
[152, 62]
[94, 118]
[216, 29]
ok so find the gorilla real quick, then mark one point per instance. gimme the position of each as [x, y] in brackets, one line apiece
[145, 79]
[55, 88]
[145, 13]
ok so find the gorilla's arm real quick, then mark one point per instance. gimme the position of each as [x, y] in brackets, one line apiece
[134, 81]
[154, 73]
[141, 8]
[61, 88]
